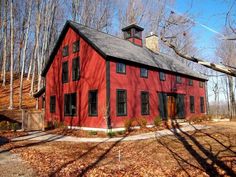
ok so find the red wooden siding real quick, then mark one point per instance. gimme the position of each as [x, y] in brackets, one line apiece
[92, 76]
[134, 84]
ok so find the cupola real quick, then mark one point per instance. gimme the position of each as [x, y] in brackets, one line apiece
[133, 33]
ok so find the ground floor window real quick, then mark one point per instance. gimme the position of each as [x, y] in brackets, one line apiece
[192, 110]
[162, 106]
[70, 104]
[121, 107]
[202, 104]
[92, 103]
[144, 103]
[180, 106]
[52, 104]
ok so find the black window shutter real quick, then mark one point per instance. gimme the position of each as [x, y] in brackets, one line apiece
[162, 105]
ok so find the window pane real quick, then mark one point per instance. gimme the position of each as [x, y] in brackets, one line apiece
[65, 51]
[202, 104]
[121, 102]
[75, 69]
[120, 67]
[192, 108]
[190, 82]
[65, 72]
[144, 103]
[52, 104]
[70, 104]
[162, 76]
[76, 46]
[178, 79]
[93, 102]
[143, 72]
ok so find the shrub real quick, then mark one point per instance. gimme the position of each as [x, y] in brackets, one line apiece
[122, 132]
[50, 125]
[157, 121]
[92, 132]
[14, 126]
[111, 134]
[127, 124]
[4, 125]
[142, 122]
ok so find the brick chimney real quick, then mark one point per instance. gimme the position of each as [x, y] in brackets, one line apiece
[133, 33]
[152, 42]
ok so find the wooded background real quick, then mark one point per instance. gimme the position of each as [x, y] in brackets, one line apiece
[29, 29]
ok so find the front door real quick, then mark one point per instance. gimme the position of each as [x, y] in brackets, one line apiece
[171, 108]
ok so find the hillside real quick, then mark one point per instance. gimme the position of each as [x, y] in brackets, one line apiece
[28, 101]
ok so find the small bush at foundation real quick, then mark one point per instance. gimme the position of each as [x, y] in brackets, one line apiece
[122, 132]
[93, 132]
[111, 134]
[157, 121]
[127, 124]
[142, 122]
[4, 125]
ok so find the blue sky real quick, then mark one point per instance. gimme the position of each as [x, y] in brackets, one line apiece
[207, 12]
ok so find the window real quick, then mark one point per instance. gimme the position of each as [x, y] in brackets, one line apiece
[92, 103]
[52, 104]
[65, 51]
[162, 106]
[202, 104]
[178, 79]
[144, 103]
[127, 34]
[201, 84]
[65, 72]
[75, 69]
[138, 34]
[76, 46]
[190, 82]
[162, 76]
[192, 104]
[120, 68]
[121, 98]
[143, 72]
[70, 104]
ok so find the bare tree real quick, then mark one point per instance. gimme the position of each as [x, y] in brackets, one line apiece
[5, 44]
[24, 53]
[12, 55]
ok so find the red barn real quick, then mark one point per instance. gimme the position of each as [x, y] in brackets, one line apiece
[96, 80]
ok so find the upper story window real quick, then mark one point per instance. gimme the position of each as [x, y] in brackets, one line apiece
[143, 72]
[201, 84]
[76, 46]
[190, 82]
[65, 72]
[178, 79]
[65, 51]
[192, 108]
[93, 103]
[144, 103]
[120, 68]
[162, 76]
[75, 69]
[70, 104]
[52, 104]
[121, 102]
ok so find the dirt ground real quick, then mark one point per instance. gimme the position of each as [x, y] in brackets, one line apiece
[210, 152]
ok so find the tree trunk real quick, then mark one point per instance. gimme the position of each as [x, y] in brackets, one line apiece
[5, 46]
[23, 55]
[231, 97]
[12, 56]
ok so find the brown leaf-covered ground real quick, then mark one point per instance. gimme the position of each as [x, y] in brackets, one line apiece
[200, 153]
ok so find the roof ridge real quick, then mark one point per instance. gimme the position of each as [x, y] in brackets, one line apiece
[71, 21]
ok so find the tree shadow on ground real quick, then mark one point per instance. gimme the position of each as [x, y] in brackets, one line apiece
[208, 160]
[84, 170]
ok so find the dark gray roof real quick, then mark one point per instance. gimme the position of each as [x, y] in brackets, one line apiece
[111, 46]
[123, 49]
